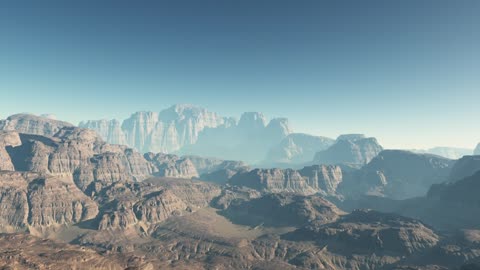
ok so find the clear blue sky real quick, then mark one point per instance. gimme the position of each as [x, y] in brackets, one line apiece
[407, 72]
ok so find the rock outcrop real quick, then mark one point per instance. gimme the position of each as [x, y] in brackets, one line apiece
[351, 149]
[398, 174]
[280, 210]
[297, 148]
[32, 124]
[367, 232]
[40, 201]
[309, 180]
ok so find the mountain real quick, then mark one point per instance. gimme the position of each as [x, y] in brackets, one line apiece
[166, 131]
[191, 130]
[248, 141]
[351, 149]
[32, 124]
[309, 180]
[297, 148]
[398, 174]
[477, 150]
[464, 167]
[448, 152]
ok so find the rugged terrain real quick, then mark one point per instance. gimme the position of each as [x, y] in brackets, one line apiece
[70, 200]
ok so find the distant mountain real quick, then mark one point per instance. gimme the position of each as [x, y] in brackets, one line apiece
[398, 174]
[350, 149]
[464, 167]
[187, 129]
[477, 150]
[448, 152]
[297, 148]
[166, 131]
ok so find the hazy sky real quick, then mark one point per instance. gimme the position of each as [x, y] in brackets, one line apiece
[406, 72]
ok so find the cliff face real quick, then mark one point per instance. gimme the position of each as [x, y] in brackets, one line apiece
[40, 201]
[32, 124]
[313, 179]
[167, 131]
[351, 149]
[190, 130]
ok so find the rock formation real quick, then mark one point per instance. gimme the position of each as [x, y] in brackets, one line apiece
[297, 148]
[398, 174]
[309, 180]
[32, 124]
[464, 167]
[190, 130]
[351, 149]
[367, 232]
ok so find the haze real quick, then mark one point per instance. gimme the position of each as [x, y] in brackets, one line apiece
[406, 72]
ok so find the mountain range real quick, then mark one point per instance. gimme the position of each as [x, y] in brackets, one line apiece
[69, 199]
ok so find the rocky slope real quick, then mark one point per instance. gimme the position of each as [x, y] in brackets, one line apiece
[23, 252]
[350, 149]
[464, 167]
[368, 232]
[32, 124]
[297, 148]
[279, 210]
[397, 174]
[309, 180]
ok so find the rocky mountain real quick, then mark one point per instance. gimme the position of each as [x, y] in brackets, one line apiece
[309, 180]
[464, 167]
[477, 150]
[166, 131]
[191, 130]
[279, 210]
[350, 149]
[447, 152]
[32, 124]
[297, 148]
[248, 141]
[370, 232]
[398, 174]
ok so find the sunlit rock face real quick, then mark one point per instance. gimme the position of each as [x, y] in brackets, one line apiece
[321, 179]
[166, 131]
[32, 124]
[191, 130]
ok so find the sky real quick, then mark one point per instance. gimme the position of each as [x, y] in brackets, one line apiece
[406, 72]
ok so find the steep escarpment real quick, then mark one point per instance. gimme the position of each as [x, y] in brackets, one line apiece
[191, 130]
[309, 180]
[32, 124]
[464, 167]
[166, 131]
[39, 200]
